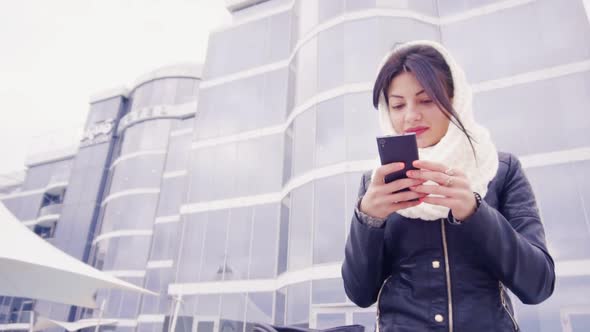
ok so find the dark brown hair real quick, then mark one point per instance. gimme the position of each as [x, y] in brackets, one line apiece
[433, 73]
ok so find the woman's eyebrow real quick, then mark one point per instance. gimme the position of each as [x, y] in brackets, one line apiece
[396, 96]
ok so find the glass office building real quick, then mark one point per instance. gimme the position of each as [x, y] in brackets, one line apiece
[228, 188]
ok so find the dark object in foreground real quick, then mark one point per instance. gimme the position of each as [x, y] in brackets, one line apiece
[262, 327]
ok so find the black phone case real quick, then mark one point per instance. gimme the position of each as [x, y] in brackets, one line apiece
[402, 148]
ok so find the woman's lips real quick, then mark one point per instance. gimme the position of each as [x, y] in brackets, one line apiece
[417, 131]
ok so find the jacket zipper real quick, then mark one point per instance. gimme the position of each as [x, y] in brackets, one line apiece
[505, 306]
[378, 302]
[448, 274]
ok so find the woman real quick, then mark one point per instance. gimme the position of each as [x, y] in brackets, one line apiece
[443, 262]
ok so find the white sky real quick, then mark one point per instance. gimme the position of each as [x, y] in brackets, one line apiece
[56, 54]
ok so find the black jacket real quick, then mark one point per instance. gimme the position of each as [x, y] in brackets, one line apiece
[437, 276]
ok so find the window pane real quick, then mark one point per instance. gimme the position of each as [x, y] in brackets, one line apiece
[232, 312]
[328, 291]
[259, 308]
[264, 241]
[238, 246]
[330, 145]
[298, 304]
[304, 142]
[328, 244]
[300, 236]
[213, 265]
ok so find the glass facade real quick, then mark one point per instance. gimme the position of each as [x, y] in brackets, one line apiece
[238, 212]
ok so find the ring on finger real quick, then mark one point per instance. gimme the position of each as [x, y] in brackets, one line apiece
[449, 181]
[450, 171]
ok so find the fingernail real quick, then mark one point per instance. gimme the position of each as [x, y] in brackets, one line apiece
[421, 200]
[401, 165]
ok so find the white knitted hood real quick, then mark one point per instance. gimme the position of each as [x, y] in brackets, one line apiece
[453, 149]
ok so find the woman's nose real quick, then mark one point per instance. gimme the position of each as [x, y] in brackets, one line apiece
[413, 114]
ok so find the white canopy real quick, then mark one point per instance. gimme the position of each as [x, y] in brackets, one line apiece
[33, 268]
[46, 323]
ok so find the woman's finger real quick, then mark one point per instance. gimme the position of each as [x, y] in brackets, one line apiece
[440, 178]
[384, 170]
[400, 184]
[403, 196]
[402, 205]
[437, 167]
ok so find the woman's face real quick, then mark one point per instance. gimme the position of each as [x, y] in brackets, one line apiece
[412, 110]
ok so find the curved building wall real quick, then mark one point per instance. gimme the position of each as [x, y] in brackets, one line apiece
[142, 186]
[289, 126]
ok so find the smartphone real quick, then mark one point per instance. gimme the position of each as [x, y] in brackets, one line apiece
[399, 148]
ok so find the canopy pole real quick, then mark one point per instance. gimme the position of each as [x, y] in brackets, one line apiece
[32, 321]
[177, 300]
[99, 315]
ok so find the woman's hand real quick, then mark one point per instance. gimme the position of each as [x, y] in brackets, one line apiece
[453, 186]
[381, 199]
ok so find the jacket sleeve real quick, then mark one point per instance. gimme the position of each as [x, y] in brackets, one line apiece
[512, 243]
[362, 269]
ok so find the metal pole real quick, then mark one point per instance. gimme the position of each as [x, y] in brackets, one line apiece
[32, 321]
[177, 300]
[99, 316]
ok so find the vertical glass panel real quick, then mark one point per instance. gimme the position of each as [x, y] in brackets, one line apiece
[506, 50]
[288, 156]
[264, 241]
[562, 210]
[330, 58]
[328, 244]
[361, 127]
[304, 142]
[298, 305]
[158, 92]
[155, 135]
[232, 312]
[328, 291]
[258, 308]
[280, 306]
[238, 244]
[172, 194]
[185, 91]
[260, 165]
[178, 152]
[201, 174]
[283, 236]
[131, 139]
[330, 143]
[213, 265]
[129, 305]
[208, 305]
[330, 9]
[165, 241]
[223, 171]
[300, 236]
[280, 36]
[307, 71]
[191, 251]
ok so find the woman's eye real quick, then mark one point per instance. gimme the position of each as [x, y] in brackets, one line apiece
[426, 101]
[397, 107]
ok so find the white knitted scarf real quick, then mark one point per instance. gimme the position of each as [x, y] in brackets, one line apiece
[453, 150]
